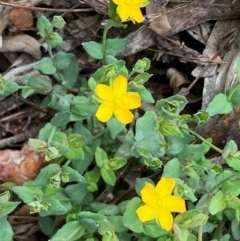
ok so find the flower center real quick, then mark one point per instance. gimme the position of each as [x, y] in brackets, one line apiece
[160, 203]
[116, 100]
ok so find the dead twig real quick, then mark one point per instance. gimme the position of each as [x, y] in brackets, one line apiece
[46, 9]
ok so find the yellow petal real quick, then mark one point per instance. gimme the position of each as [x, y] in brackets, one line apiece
[165, 219]
[105, 111]
[119, 86]
[104, 92]
[131, 100]
[176, 204]
[148, 194]
[146, 213]
[119, 2]
[123, 12]
[123, 115]
[165, 186]
[136, 14]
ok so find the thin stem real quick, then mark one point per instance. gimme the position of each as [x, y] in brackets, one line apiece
[205, 141]
[52, 58]
[200, 230]
[67, 163]
[104, 38]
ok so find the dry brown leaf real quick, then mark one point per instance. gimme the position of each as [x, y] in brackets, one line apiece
[20, 166]
[21, 43]
[21, 18]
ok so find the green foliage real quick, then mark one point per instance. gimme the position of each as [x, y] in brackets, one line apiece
[88, 158]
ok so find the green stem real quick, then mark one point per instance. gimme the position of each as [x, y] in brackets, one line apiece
[104, 38]
[200, 230]
[67, 163]
[205, 141]
[52, 58]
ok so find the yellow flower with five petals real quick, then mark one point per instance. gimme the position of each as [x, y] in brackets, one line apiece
[130, 9]
[117, 101]
[159, 203]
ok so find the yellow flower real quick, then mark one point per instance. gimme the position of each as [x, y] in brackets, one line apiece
[117, 101]
[130, 8]
[159, 203]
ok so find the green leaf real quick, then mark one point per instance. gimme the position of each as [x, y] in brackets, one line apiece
[54, 39]
[94, 216]
[76, 192]
[74, 175]
[6, 230]
[234, 162]
[232, 202]
[181, 233]
[115, 127]
[233, 94]
[82, 107]
[100, 157]
[44, 26]
[142, 78]
[117, 222]
[37, 145]
[230, 148]
[117, 162]
[171, 106]
[191, 219]
[7, 207]
[40, 85]
[200, 117]
[76, 143]
[10, 87]
[219, 105]
[217, 203]
[235, 228]
[28, 194]
[108, 175]
[94, 49]
[27, 91]
[169, 128]
[109, 210]
[59, 204]
[232, 188]
[142, 65]
[46, 224]
[112, 7]
[60, 141]
[58, 22]
[46, 173]
[130, 218]
[147, 138]
[70, 74]
[93, 175]
[70, 231]
[145, 95]
[192, 152]
[62, 60]
[172, 168]
[45, 131]
[46, 66]
[175, 145]
[61, 119]
[115, 46]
